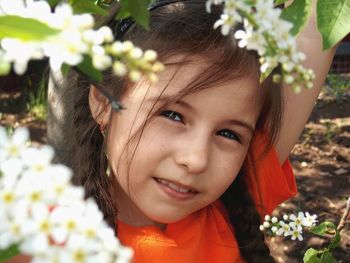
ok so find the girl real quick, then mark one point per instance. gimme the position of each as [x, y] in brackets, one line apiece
[189, 154]
[184, 172]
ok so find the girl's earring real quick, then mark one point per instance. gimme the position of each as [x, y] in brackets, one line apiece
[108, 170]
[102, 128]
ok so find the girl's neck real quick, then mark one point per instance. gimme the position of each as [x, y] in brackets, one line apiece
[128, 213]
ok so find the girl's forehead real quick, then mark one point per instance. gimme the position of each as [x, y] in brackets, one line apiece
[181, 74]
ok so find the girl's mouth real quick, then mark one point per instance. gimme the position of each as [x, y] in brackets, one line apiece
[176, 190]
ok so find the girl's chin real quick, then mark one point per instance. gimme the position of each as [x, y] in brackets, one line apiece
[163, 220]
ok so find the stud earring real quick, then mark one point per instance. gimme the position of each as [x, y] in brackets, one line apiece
[108, 170]
[102, 127]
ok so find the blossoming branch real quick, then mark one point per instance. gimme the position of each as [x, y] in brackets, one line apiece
[43, 215]
[269, 35]
[67, 39]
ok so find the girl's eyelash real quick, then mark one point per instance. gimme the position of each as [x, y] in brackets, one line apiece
[229, 135]
[175, 116]
[172, 115]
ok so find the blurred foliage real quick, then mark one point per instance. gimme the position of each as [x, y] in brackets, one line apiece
[338, 85]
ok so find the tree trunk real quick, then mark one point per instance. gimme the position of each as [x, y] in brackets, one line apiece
[60, 115]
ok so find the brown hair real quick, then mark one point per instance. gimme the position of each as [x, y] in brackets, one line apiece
[182, 28]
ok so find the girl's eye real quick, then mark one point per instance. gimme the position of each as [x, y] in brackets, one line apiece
[173, 115]
[229, 134]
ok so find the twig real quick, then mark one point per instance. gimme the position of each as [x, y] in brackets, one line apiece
[113, 10]
[345, 215]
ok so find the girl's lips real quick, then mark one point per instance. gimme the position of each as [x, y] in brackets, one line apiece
[175, 190]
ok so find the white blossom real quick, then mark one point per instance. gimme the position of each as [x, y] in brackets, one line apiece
[296, 233]
[38, 160]
[297, 221]
[284, 229]
[44, 214]
[75, 39]
[12, 227]
[266, 224]
[309, 220]
[39, 227]
[264, 29]
[66, 221]
[13, 146]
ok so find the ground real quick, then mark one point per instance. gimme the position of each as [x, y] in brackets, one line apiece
[321, 162]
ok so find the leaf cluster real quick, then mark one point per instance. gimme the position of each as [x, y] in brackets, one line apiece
[324, 255]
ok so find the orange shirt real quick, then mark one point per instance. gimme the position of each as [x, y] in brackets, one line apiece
[206, 236]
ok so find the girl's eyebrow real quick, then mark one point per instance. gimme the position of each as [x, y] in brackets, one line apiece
[235, 122]
[242, 124]
[169, 98]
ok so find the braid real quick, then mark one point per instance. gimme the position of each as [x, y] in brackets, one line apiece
[245, 220]
[90, 162]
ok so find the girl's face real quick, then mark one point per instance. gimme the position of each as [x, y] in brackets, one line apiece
[187, 155]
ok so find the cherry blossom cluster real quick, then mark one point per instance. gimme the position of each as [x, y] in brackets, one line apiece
[44, 214]
[291, 225]
[75, 38]
[269, 35]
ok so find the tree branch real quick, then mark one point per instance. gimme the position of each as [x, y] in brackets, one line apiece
[345, 215]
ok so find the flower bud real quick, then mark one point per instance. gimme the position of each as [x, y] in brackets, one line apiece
[127, 46]
[119, 68]
[101, 62]
[309, 85]
[296, 89]
[150, 55]
[135, 75]
[288, 79]
[136, 53]
[157, 67]
[116, 48]
[85, 21]
[153, 77]
[266, 224]
[106, 33]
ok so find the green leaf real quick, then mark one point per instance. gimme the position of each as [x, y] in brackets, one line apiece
[24, 28]
[138, 9]
[65, 69]
[87, 6]
[123, 12]
[53, 3]
[8, 253]
[327, 257]
[87, 68]
[335, 241]
[280, 2]
[323, 228]
[310, 256]
[4, 68]
[333, 20]
[298, 14]
[266, 74]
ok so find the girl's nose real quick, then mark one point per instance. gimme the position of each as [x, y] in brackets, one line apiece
[193, 154]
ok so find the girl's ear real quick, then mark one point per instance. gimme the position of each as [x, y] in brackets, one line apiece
[100, 106]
